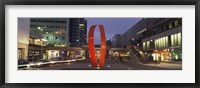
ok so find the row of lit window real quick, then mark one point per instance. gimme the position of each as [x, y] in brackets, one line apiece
[172, 24]
[56, 32]
[48, 26]
[176, 39]
[163, 42]
[146, 45]
[52, 38]
[141, 31]
[35, 41]
[49, 32]
[48, 21]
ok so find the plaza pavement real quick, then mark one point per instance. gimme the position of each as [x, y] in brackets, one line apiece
[111, 65]
[177, 66]
[116, 66]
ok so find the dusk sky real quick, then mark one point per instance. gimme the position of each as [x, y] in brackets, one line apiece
[112, 26]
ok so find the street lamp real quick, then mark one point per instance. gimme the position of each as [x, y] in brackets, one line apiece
[77, 42]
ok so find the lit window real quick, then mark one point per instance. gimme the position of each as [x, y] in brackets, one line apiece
[172, 40]
[161, 42]
[81, 24]
[176, 39]
[170, 25]
[179, 38]
[166, 41]
[148, 44]
[144, 45]
[176, 23]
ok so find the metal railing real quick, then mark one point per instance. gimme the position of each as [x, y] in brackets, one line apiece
[137, 54]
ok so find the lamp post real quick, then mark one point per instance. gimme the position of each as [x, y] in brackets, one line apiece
[132, 41]
[77, 42]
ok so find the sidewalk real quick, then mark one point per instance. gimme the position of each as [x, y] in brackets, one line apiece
[173, 65]
[87, 66]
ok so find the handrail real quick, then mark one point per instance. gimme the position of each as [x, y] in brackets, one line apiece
[136, 57]
[137, 54]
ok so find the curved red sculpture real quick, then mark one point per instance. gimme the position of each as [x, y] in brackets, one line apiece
[92, 48]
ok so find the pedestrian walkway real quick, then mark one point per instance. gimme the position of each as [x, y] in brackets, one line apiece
[177, 65]
[87, 66]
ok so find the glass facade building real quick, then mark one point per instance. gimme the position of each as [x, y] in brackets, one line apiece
[54, 30]
[77, 32]
[160, 38]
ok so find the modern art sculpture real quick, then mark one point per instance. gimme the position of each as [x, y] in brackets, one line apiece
[91, 46]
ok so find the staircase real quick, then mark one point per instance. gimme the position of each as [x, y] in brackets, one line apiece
[138, 57]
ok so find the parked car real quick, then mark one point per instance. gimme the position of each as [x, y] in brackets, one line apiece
[21, 62]
[54, 59]
[42, 60]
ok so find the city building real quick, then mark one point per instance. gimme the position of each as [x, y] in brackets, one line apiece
[156, 38]
[117, 41]
[134, 34]
[47, 32]
[36, 44]
[77, 32]
[54, 30]
[23, 38]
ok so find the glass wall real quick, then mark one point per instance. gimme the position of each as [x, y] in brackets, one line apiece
[148, 44]
[161, 42]
[176, 39]
[144, 45]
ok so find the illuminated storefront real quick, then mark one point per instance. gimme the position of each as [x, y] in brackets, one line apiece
[166, 48]
[122, 55]
[63, 54]
[162, 55]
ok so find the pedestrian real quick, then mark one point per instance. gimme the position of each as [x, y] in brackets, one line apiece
[118, 60]
[155, 62]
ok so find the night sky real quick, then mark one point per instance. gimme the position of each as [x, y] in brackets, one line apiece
[112, 26]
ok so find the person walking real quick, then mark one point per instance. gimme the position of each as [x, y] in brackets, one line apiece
[156, 62]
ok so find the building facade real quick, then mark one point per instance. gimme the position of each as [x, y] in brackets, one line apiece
[77, 32]
[47, 32]
[35, 46]
[54, 30]
[134, 34]
[23, 38]
[117, 41]
[157, 38]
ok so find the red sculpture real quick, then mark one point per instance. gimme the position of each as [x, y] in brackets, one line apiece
[92, 48]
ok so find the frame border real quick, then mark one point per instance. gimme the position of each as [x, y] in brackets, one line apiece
[3, 3]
